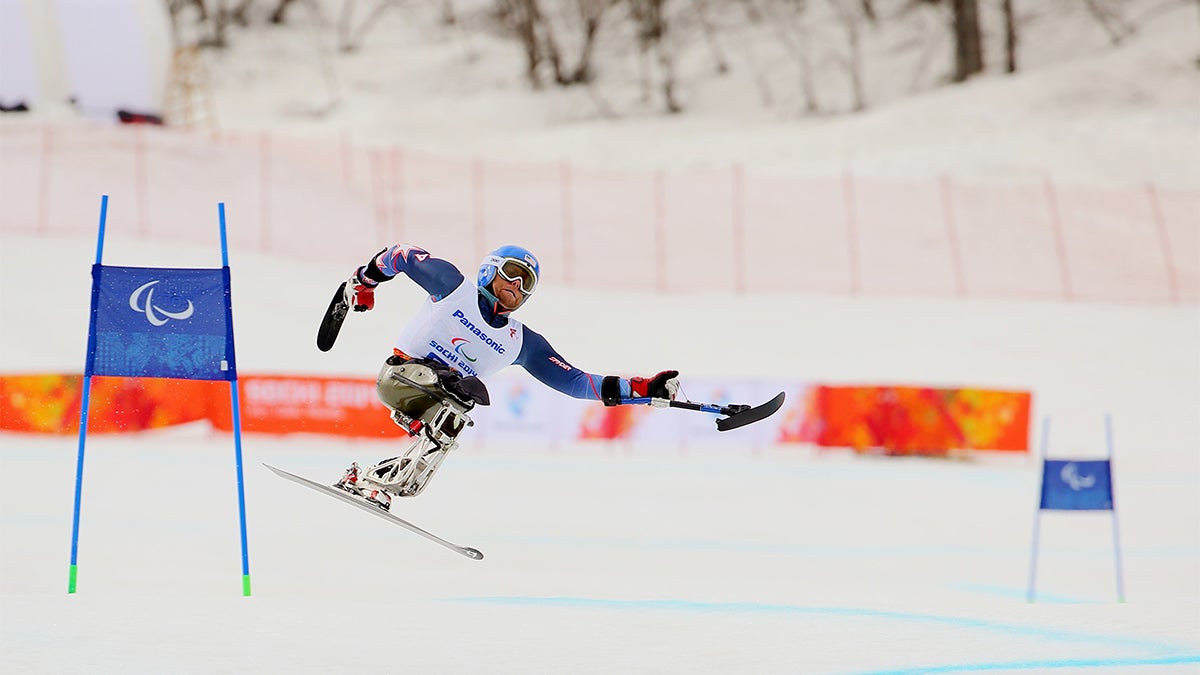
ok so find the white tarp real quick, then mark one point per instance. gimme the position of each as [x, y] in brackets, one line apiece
[20, 81]
[105, 55]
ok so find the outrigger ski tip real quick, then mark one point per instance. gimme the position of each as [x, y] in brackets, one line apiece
[750, 414]
[331, 322]
[736, 414]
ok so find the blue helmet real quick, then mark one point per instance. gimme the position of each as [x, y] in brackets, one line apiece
[514, 263]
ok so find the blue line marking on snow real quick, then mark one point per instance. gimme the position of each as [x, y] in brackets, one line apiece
[1038, 665]
[1020, 594]
[1167, 653]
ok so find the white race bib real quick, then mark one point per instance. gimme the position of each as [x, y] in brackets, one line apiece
[453, 330]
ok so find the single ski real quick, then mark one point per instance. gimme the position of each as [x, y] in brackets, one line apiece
[736, 415]
[331, 323]
[471, 553]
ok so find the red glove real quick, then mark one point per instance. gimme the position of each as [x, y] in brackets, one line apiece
[360, 292]
[662, 385]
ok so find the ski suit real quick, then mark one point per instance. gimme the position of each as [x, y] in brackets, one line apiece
[458, 326]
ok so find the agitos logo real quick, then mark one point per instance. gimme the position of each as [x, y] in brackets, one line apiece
[157, 316]
[458, 343]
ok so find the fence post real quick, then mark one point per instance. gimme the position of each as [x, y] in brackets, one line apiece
[1060, 244]
[852, 233]
[739, 229]
[960, 277]
[477, 201]
[44, 182]
[660, 232]
[378, 193]
[397, 193]
[1164, 240]
[347, 157]
[139, 179]
[264, 147]
[564, 183]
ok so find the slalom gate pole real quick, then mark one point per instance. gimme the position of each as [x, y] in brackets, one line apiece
[237, 424]
[83, 409]
[1108, 433]
[1037, 514]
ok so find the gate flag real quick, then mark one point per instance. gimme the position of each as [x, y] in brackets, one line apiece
[161, 322]
[1077, 485]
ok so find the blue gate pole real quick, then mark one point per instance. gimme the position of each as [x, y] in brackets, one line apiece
[237, 424]
[83, 406]
[1037, 515]
[1108, 433]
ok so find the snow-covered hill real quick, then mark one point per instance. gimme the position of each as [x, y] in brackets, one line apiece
[1079, 109]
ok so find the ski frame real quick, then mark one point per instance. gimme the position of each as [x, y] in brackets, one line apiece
[736, 414]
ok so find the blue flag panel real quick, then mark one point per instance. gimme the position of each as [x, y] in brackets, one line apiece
[161, 322]
[1077, 485]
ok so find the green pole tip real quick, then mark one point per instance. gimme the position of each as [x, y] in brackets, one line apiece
[246, 585]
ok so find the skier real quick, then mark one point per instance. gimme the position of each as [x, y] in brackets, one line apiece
[463, 332]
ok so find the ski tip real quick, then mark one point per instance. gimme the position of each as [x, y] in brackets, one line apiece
[473, 553]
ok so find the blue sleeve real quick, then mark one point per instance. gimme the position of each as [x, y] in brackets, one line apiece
[438, 277]
[548, 367]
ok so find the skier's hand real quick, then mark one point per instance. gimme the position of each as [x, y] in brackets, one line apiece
[360, 292]
[662, 385]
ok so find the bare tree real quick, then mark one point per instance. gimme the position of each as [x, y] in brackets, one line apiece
[277, 15]
[757, 18]
[538, 34]
[968, 43]
[651, 19]
[349, 37]
[792, 33]
[591, 13]
[850, 17]
[1108, 15]
[1010, 36]
[710, 37]
[523, 17]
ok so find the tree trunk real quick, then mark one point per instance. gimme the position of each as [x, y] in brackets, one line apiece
[582, 74]
[850, 18]
[276, 16]
[652, 34]
[1010, 36]
[968, 44]
[522, 15]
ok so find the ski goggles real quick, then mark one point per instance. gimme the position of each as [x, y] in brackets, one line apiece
[513, 269]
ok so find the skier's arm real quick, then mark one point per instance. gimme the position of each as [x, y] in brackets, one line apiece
[438, 277]
[550, 368]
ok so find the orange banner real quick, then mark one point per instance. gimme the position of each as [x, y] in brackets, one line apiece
[896, 420]
[912, 420]
[315, 405]
[51, 403]
[275, 405]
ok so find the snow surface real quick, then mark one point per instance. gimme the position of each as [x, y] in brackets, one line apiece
[605, 559]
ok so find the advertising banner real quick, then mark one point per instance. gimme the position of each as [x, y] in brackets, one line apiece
[896, 420]
[338, 406]
[915, 420]
[50, 403]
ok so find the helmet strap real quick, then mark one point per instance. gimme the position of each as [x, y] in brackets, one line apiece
[492, 300]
